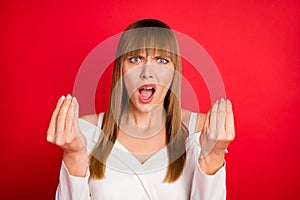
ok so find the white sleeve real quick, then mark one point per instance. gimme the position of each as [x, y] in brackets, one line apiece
[71, 187]
[206, 187]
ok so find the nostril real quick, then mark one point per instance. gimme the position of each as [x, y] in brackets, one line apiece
[145, 76]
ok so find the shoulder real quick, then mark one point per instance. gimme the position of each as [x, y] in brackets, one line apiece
[186, 114]
[93, 119]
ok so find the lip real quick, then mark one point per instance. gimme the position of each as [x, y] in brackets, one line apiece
[146, 86]
[145, 101]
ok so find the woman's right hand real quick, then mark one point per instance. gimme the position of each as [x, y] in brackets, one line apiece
[64, 132]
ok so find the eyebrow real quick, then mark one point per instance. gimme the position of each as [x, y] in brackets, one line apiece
[142, 56]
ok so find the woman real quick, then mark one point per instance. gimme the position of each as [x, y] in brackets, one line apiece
[145, 146]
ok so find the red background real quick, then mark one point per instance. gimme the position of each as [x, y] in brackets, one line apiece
[255, 45]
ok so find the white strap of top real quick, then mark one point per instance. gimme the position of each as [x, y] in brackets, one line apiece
[100, 119]
[193, 122]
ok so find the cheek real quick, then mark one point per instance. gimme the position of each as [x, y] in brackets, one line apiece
[130, 81]
[165, 77]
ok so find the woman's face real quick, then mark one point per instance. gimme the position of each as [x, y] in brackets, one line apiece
[147, 79]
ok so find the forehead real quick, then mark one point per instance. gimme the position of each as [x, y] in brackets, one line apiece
[150, 40]
[150, 52]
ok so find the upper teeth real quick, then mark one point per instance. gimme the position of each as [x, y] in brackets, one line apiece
[148, 88]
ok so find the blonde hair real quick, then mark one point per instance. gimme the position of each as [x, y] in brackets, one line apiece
[151, 36]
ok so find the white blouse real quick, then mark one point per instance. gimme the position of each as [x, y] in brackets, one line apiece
[127, 179]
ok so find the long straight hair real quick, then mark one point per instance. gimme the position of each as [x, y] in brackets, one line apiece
[151, 36]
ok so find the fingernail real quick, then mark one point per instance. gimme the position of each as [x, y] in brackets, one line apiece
[62, 98]
[74, 99]
[228, 101]
[68, 97]
[222, 99]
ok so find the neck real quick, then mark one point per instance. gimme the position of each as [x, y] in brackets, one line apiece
[143, 124]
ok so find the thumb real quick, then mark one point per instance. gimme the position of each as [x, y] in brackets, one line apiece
[76, 123]
[207, 121]
[76, 113]
[76, 107]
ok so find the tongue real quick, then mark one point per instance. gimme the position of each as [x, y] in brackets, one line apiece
[146, 94]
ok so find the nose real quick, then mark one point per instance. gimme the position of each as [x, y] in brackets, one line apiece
[146, 72]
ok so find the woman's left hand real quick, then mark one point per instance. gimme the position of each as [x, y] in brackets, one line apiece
[218, 131]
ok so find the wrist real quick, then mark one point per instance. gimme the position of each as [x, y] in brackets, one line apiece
[75, 154]
[76, 162]
[211, 163]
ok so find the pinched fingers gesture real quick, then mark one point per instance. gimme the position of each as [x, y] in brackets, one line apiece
[218, 130]
[63, 128]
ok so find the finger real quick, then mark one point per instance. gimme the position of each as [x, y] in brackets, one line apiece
[213, 118]
[207, 121]
[221, 114]
[76, 107]
[208, 140]
[204, 130]
[229, 120]
[76, 110]
[60, 122]
[75, 127]
[70, 116]
[52, 125]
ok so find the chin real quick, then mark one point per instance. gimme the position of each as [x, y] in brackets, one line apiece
[137, 106]
[144, 108]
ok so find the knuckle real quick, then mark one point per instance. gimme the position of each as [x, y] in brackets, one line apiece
[59, 129]
[68, 124]
[229, 114]
[205, 130]
[69, 118]
[221, 138]
[226, 139]
[221, 112]
[212, 137]
[229, 106]
[59, 141]
[60, 120]
[49, 132]
[49, 138]
[231, 138]
[213, 115]
[63, 110]
[213, 112]
[58, 105]
[65, 102]
[70, 139]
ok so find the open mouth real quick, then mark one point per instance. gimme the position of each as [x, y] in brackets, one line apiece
[146, 92]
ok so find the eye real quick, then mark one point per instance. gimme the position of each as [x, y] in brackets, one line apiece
[162, 60]
[135, 60]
